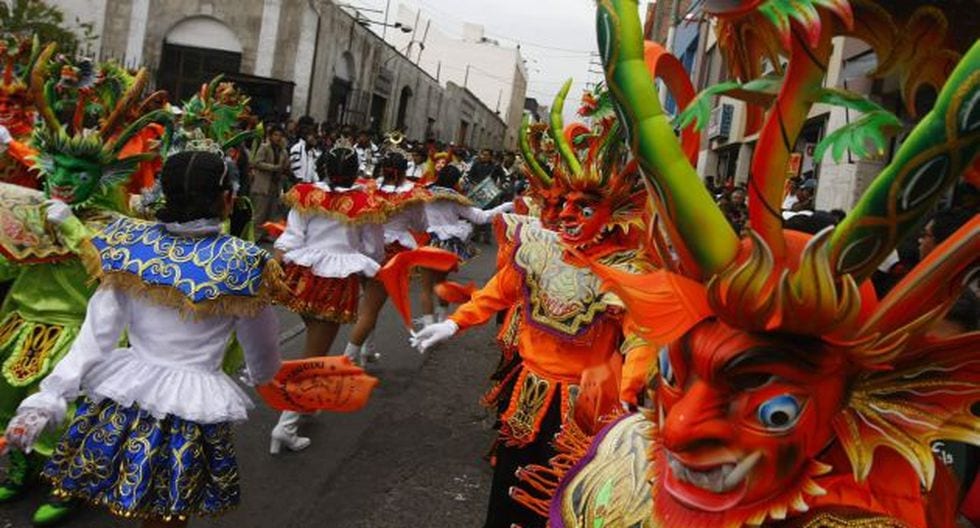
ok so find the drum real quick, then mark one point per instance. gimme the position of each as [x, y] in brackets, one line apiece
[484, 193]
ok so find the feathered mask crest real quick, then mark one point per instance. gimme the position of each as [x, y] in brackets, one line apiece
[17, 54]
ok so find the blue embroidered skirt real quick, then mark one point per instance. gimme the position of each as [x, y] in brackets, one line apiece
[464, 249]
[140, 466]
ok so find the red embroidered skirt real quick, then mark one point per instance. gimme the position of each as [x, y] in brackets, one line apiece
[321, 298]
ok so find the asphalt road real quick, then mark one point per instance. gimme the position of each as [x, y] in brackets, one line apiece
[413, 457]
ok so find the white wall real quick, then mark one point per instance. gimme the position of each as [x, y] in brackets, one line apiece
[496, 74]
[78, 12]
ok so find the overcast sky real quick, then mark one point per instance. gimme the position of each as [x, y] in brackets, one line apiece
[557, 37]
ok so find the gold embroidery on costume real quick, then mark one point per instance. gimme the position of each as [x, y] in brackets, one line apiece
[830, 520]
[613, 490]
[34, 347]
[563, 297]
[527, 408]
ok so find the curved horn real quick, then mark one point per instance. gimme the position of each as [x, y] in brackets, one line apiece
[125, 103]
[557, 132]
[528, 154]
[937, 151]
[699, 231]
[665, 66]
[38, 78]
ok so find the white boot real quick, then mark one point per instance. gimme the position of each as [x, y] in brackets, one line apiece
[354, 353]
[284, 434]
[368, 351]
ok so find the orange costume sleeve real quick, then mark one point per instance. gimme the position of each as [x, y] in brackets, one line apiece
[501, 292]
[21, 152]
[143, 142]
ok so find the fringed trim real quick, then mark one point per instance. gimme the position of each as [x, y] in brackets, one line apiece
[116, 510]
[451, 197]
[91, 259]
[271, 289]
[369, 215]
[572, 445]
[316, 311]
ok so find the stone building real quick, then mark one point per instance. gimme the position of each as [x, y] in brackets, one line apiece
[294, 57]
[495, 73]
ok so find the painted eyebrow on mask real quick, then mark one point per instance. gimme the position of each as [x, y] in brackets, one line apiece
[768, 355]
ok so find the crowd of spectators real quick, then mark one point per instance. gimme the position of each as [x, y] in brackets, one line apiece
[287, 155]
[800, 214]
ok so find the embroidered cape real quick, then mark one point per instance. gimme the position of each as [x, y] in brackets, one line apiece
[355, 206]
[207, 275]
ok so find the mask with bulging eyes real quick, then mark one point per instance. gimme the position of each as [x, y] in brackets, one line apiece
[742, 416]
[583, 218]
[72, 180]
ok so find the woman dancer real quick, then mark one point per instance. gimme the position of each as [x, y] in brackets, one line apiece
[152, 436]
[449, 216]
[333, 237]
[404, 203]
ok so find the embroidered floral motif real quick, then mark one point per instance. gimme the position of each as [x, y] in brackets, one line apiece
[139, 466]
[218, 273]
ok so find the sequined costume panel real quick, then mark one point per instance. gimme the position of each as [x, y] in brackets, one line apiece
[136, 465]
[610, 486]
[201, 268]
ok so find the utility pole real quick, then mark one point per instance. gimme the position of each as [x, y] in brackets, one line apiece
[466, 77]
[384, 31]
[425, 34]
[438, 70]
[415, 28]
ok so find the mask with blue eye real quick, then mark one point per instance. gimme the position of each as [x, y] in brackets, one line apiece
[779, 413]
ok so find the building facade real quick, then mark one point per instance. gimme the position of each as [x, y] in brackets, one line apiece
[494, 73]
[727, 148]
[293, 57]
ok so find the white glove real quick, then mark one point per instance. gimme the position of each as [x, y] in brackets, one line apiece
[505, 207]
[23, 430]
[57, 212]
[5, 136]
[433, 334]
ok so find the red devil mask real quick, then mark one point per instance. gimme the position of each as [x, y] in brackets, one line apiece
[742, 417]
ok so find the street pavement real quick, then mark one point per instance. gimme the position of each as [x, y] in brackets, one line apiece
[413, 457]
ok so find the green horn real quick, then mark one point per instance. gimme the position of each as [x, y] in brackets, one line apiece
[698, 230]
[558, 130]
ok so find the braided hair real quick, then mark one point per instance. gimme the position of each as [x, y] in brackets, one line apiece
[194, 183]
[338, 167]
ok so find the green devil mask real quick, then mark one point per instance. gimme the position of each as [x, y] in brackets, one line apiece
[79, 165]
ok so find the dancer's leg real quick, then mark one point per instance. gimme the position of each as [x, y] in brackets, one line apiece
[319, 337]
